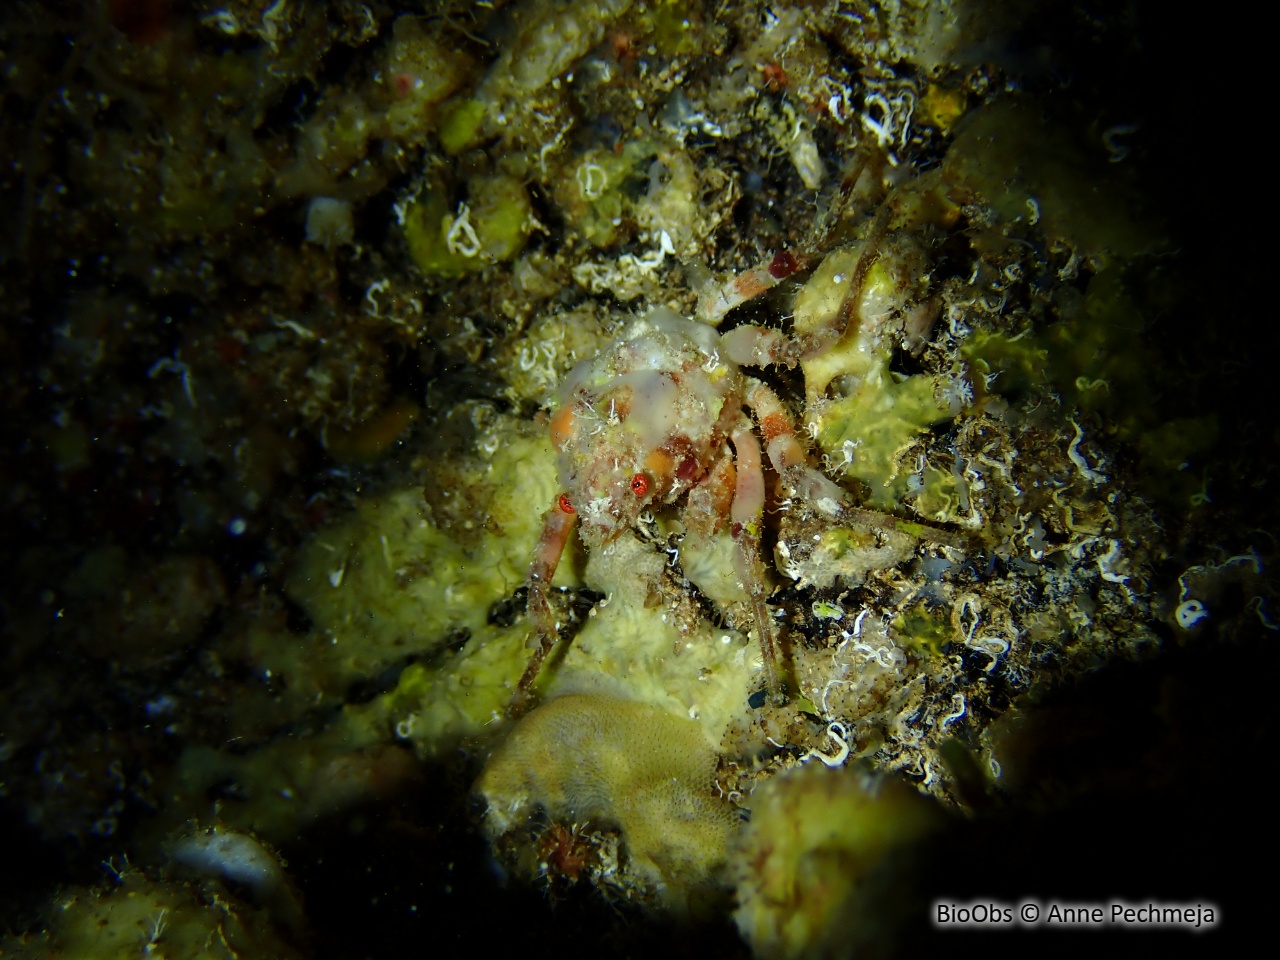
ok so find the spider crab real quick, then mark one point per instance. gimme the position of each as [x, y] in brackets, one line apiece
[661, 417]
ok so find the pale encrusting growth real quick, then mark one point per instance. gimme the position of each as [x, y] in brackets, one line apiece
[618, 763]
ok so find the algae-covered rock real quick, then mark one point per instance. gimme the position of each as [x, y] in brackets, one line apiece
[143, 918]
[548, 37]
[648, 642]
[329, 444]
[419, 70]
[820, 870]
[863, 415]
[393, 581]
[448, 241]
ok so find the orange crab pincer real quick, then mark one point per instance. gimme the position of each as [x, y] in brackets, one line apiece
[661, 418]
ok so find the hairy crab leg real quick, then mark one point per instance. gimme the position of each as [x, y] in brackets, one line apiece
[717, 299]
[817, 342]
[747, 515]
[755, 346]
[786, 454]
[750, 345]
[557, 526]
[808, 483]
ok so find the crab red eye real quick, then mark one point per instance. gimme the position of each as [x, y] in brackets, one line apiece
[639, 484]
[783, 265]
[564, 503]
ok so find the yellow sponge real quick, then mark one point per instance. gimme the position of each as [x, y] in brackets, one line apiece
[622, 764]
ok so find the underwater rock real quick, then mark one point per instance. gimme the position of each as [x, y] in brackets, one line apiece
[820, 868]
[141, 917]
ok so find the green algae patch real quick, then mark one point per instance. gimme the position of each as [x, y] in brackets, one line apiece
[141, 917]
[1093, 357]
[461, 122]
[670, 27]
[597, 192]
[649, 184]
[941, 495]
[436, 706]
[446, 241]
[863, 416]
[862, 352]
[545, 41]
[867, 433]
[389, 581]
[639, 646]
[924, 630]
[1013, 365]
[420, 70]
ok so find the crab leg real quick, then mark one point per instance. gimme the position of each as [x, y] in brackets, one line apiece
[819, 341]
[789, 460]
[786, 454]
[557, 525]
[747, 514]
[718, 300]
[755, 346]
[711, 499]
